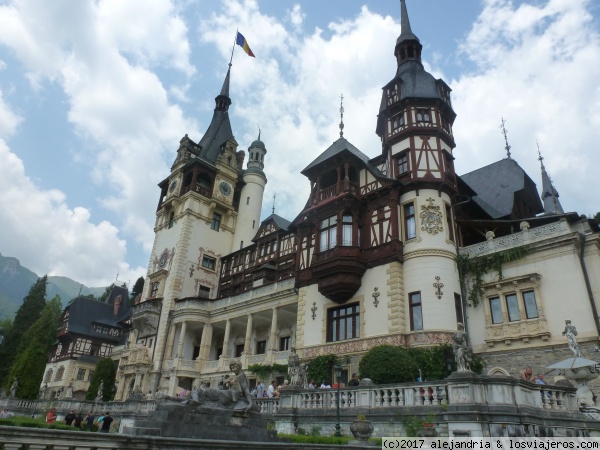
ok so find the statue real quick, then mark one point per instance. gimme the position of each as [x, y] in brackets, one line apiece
[69, 394]
[570, 332]
[58, 393]
[42, 393]
[13, 388]
[303, 373]
[463, 354]
[235, 395]
[100, 393]
[294, 368]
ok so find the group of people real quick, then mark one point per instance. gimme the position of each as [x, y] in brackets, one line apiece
[354, 381]
[267, 392]
[527, 375]
[104, 422]
[4, 414]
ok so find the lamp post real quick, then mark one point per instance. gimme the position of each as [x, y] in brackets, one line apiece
[338, 374]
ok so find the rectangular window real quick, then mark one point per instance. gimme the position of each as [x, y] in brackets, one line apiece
[416, 311]
[397, 122]
[261, 347]
[496, 310]
[423, 116]
[458, 308]
[347, 230]
[449, 222]
[343, 323]
[530, 305]
[81, 374]
[154, 289]
[409, 221]
[204, 292]
[284, 343]
[90, 375]
[209, 263]
[403, 164]
[328, 233]
[512, 306]
[247, 200]
[216, 222]
[239, 349]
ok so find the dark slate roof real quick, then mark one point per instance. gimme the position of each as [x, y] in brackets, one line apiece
[219, 132]
[84, 311]
[496, 186]
[338, 147]
[279, 221]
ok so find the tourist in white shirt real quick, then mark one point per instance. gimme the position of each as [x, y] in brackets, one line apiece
[325, 385]
[272, 391]
[311, 385]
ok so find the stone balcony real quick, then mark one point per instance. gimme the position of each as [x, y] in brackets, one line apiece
[525, 236]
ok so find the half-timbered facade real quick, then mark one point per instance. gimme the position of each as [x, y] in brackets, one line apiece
[371, 259]
[89, 330]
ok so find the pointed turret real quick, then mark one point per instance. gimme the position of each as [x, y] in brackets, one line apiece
[549, 194]
[219, 130]
[408, 46]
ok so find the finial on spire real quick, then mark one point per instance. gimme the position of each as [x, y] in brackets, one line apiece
[258, 131]
[504, 132]
[540, 157]
[342, 115]
[274, 196]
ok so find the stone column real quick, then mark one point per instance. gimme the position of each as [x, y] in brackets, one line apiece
[170, 342]
[273, 338]
[206, 341]
[247, 341]
[225, 355]
[137, 383]
[181, 340]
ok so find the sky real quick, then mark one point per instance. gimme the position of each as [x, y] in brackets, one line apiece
[95, 96]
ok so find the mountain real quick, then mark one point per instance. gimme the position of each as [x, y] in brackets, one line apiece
[16, 280]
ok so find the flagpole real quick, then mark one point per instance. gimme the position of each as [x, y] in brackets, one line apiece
[233, 48]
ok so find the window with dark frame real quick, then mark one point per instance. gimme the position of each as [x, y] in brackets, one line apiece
[171, 219]
[80, 374]
[531, 308]
[284, 343]
[154, 289]
[208, 262]
[458, 308]
[203, 291]
[261, 347]
[347, 230]
[216, 222]
[343, 323]
[328, 236]
[512, 305]
[423, 116]
[496, 310]
[90, 375]
[402, 163]
[416, 311]
[449, 222]
[409, 221]
[397, 122]
[239, 349]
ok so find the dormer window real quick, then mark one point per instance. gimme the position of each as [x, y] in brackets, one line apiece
[393, 94]
[397, 123]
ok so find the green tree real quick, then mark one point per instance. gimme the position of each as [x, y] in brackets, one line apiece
[105, 371]
[138, 287]
[321, 368]
[596, 218]
[32, 352]
[29, 311]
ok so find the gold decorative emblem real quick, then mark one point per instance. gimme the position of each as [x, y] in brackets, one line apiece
[431, 218]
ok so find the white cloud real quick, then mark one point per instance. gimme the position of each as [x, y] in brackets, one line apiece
[537, 66]
[8, 119]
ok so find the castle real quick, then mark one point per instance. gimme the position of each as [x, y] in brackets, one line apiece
[373, 257]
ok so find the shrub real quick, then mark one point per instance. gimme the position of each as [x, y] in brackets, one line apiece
[388, 364]
[302, 439]
[320, 368]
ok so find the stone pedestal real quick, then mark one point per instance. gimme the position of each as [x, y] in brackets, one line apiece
[200, 422]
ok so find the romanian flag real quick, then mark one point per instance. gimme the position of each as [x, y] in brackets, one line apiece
[242, 42]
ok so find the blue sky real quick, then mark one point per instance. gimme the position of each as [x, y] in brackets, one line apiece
[94, 97]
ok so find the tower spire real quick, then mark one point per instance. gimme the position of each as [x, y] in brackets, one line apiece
[549, 194]
[505, 133]
[222, 100]
[342, 115]
[408, 47]
[405, 30]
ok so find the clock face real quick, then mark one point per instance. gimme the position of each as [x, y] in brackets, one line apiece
[225, 188]
[173, 186]
[162, 262]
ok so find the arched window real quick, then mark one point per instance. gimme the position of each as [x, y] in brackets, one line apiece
[48, 376]
[347, 230]
[171, 219]
[60, 373]
[328, 233]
